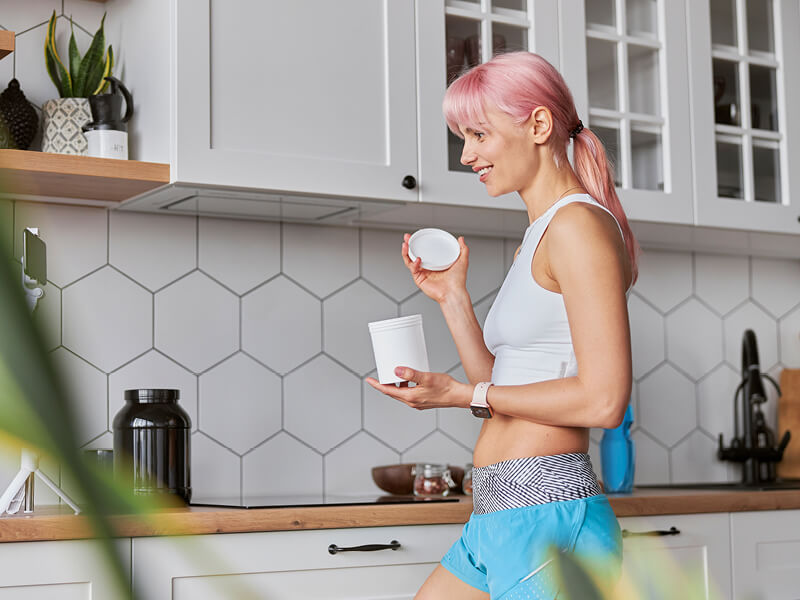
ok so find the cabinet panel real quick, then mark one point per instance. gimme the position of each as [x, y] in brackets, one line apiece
[698, 558]
[766, 555]
[303, 97]
[64, 570]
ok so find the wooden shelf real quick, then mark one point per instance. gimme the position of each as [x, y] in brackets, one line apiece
[74, 179]
[6, 42]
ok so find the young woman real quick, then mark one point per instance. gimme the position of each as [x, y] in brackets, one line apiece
[554, 358]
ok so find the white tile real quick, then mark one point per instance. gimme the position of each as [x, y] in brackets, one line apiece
[240, 254]
[76, 238]
[715, 402]
[282, 466]
[665, 278]
[88, 15]
[776, 284]
[281, 324]
[19, 16]
[694, 339]
[152, 371]
[196, 322]
[239, 403]
[154, 250]
[87, 390]
[789, 329]
[322, 259]
[652, 460]
[750, 316]
[438, 448]
[694, 460]
[348, 468]
[107, 319]
[29, 55]
[394, 422]
[442, 353]
[6, 75]
[216, 471]
[6, 222]
[47, 316]
[647, 336]
[322, 403]
[486, 268]
[667, 405]
[346, 315]
[459, 423]
[723, 282]
[382, 263]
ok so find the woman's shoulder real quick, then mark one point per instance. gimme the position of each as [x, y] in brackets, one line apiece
[583, 217]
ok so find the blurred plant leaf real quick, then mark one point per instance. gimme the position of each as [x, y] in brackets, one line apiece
[574, 581]
[89, 75]
[74, 54]
[64, 82]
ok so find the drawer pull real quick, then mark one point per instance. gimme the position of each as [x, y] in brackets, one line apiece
[393, 545]
[671, 531]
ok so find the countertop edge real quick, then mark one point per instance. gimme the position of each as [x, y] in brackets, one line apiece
[52, 524]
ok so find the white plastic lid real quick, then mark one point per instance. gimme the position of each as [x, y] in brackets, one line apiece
[437, 248]
[396, 323]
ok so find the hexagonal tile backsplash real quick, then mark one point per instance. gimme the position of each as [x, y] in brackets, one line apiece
[266, 336]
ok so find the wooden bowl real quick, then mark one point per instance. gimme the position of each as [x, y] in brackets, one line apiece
[399, 479]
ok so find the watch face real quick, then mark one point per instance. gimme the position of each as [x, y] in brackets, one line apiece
[481, 412]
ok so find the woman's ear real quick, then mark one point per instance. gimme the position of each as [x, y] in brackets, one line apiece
[540, 124]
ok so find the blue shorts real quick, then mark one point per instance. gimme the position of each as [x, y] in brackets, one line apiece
[505, 552]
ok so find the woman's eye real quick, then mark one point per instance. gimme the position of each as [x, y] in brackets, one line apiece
[478, 135]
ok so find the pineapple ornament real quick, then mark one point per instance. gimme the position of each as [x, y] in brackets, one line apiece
[18, 119]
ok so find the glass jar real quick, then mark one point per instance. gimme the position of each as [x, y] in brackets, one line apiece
[466, 484]
[432, 481]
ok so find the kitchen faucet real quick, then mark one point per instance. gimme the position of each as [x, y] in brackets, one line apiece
[755, 449]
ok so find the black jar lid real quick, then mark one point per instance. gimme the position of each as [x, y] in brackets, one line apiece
[152, 395]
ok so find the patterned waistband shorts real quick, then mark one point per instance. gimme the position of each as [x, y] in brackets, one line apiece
[522, 509]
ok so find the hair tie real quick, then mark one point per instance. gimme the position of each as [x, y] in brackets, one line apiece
[578, 128]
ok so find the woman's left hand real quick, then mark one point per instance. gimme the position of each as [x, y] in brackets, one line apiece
[432, 390]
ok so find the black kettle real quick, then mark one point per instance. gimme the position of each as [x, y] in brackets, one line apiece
[107, 108]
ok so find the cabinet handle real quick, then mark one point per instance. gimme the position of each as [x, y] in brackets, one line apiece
[671, 531]
[409, 182]
[393, 545]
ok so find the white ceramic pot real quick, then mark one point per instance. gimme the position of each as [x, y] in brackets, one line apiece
[63, 120]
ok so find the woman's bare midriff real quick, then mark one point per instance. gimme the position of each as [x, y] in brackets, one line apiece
[504, 438]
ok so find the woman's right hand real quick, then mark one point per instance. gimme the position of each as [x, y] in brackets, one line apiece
[438, 285]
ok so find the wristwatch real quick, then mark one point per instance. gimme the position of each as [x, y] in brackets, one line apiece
[479, 406]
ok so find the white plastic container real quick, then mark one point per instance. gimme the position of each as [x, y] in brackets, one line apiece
[437, 248]
[398, 342]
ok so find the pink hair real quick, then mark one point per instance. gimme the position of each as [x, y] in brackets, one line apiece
[518, 82]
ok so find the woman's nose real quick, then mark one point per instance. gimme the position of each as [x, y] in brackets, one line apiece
[467, 155]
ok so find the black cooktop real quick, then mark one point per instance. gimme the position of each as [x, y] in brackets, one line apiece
[310, 500]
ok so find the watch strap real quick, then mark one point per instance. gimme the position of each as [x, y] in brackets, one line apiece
[479, 400]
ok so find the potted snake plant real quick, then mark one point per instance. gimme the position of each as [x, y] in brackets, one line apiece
[76, 79]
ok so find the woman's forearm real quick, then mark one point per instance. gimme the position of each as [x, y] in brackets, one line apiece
[468, 337]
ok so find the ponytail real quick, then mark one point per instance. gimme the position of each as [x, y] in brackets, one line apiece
[596, 174]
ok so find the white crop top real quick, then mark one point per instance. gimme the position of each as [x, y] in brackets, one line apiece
[526, 328]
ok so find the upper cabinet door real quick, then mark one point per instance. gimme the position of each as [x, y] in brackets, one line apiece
[311, 97]
[452, 35]
[745, 80]
[625, 61]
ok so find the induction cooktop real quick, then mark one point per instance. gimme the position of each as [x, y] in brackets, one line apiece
[265, 501]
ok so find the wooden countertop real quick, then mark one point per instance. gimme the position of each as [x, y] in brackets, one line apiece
[54, 523]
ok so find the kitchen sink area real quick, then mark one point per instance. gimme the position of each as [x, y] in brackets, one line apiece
[781, 484]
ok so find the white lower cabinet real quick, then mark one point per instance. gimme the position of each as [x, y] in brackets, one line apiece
[766, 555]
[290, 565]
[695, 563]
[63, 570]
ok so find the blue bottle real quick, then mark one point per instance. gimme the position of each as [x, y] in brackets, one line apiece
[617, 455]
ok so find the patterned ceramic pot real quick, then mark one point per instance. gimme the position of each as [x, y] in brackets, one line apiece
[63, 120]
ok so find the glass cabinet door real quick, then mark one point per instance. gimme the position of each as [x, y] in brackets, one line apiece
[745, 76]
[452, 36]
[628, 73]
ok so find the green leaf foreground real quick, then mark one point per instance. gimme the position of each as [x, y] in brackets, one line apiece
[85, 74]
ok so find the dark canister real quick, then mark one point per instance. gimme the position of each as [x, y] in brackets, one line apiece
[152, 436]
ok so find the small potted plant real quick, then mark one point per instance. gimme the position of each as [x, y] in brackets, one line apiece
[76, 81]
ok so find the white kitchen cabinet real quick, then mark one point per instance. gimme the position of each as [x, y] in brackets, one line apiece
[626, 64]
[62, 570]
[745, 85]
[310, 98]
[452, 35]
[697, 558]
[293, 565]
[766, 555]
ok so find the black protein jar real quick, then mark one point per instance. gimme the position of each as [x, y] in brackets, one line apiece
[152, 436]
